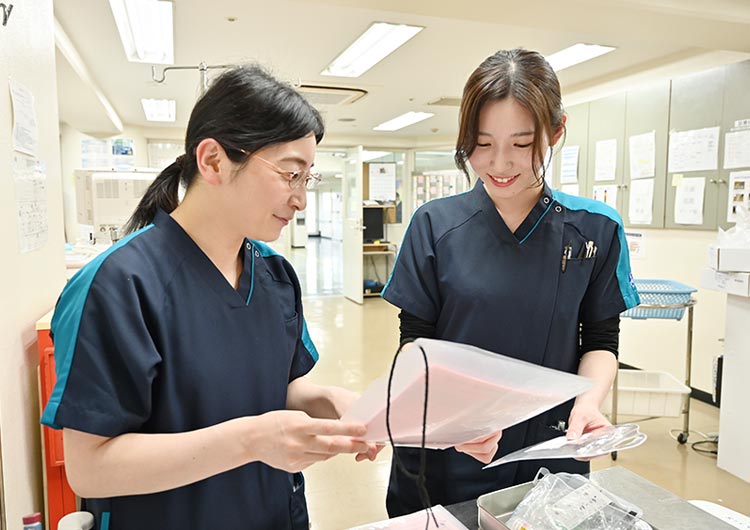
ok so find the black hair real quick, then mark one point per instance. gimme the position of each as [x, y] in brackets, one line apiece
[244, 110]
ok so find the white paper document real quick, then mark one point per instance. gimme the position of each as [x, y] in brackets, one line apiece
[472, 393]
[569, 164]
[642, 155]
[382, 179]
[739, 193]
[688, 201]
[25, 131]
[636, 244]
[31, 202]
[605, 166]
[570, 189]
[95, 153]
[641, 207]
[695, 150]
[606, 194]
[737, 149]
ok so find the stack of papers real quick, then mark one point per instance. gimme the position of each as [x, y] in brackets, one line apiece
[473, 393]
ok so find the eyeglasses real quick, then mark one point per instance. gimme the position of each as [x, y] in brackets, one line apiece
[295, 178]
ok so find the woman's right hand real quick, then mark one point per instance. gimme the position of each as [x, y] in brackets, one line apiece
[292, 441]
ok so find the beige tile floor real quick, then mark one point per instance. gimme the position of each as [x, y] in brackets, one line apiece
[356, 344]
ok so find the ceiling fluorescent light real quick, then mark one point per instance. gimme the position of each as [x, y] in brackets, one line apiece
[146, 30]
[575, 54]
[380, 40]
[410, 118]
[159, 109]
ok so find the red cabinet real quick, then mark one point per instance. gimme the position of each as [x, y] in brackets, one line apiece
[60, 498]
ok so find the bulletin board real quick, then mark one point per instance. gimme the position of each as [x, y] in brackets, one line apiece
[675, 153]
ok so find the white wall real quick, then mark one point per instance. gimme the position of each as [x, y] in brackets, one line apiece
[30, 282]
[661, 344]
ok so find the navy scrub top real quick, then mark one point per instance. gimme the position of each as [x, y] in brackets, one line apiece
[461, 268]
[151, 338]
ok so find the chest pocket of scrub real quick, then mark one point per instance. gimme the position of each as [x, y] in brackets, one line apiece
[578, 257]
[286, 298]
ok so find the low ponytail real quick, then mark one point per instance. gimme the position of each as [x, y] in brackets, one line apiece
[245, 109]
[162, 194]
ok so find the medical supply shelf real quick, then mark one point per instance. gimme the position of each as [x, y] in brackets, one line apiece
[386, 249]
[664, 299]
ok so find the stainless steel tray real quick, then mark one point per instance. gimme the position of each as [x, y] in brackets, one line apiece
[661, 509]
[496, 508]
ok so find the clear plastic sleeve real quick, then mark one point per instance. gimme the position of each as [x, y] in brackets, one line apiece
[597, 443]
[563, 501]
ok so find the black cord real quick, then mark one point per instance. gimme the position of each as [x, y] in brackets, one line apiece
[420, 478]
[695, 447]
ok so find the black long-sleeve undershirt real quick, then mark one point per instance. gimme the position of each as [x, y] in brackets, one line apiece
[602, 335]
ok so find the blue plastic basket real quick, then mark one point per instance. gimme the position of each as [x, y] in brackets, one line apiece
[660, 292]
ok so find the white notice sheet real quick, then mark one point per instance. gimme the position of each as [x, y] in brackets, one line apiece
[636, 244]
[95, 153]
[382, 178]
[688, 201]
[695, 150]
[642, 155]
[605, 166]
[640, 209]
[569, 165]
[737, 149]
[25, 132]
[31, 202]
[606, 194]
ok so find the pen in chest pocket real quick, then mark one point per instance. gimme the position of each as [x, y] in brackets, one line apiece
[587, 251]
[566, 255]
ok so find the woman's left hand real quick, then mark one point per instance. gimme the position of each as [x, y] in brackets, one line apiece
[585, 418]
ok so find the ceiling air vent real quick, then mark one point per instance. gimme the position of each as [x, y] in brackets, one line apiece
[446, 102]
[330, 96]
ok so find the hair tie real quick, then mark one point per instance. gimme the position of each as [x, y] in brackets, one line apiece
[180, 161]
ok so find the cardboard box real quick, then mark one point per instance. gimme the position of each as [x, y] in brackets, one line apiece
[737, 283]
[727, 259]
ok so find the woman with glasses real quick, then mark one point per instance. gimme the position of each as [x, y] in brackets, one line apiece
[181, 352]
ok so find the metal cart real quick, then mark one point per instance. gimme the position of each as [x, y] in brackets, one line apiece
[664, 299]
